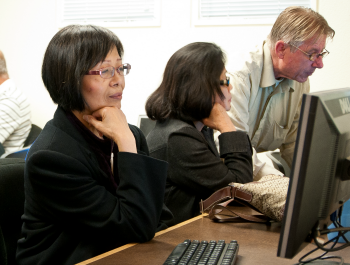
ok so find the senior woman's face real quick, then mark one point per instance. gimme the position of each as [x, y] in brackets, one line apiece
[99, 92]
[226, 103]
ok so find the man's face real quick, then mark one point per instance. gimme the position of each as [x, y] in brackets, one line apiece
[297, 66]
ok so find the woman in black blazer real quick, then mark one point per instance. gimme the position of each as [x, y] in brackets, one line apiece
[90, 185]
[191, 101]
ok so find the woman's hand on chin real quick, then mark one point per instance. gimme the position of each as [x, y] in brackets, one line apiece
[219, 119]
[111, 122]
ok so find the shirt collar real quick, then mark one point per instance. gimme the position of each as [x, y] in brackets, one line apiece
[268, 77]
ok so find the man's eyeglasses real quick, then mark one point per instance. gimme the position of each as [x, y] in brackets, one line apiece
[225, 82]
[109, 72]
[313, 56]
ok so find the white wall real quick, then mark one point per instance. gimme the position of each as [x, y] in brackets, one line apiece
[28, 26]
[26, 29]
[336, 70]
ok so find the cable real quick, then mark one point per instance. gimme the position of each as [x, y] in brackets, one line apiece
[332, 249]
[340, 234]
[312, 251]
[335, 257]
[310, 260]
[337, 224]
[338, 229]
[321, 247]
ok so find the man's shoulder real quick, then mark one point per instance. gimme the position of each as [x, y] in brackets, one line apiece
[8, 87]
[9, 91]
[247, 63]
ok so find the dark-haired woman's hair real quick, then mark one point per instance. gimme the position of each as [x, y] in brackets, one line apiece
[72, 52]
[190, 82]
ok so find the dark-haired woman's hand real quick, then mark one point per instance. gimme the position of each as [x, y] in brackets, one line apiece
[111, 122]
[219, 119]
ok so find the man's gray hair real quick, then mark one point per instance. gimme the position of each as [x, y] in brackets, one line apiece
[297, 24]
[3, 68]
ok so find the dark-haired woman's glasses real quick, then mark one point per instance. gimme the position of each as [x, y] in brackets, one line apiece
[225, 82]
[109, 72]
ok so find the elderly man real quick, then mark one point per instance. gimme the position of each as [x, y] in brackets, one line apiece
[267, 91]
[14, 113]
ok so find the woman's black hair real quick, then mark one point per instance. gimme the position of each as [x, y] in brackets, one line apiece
[72, 52]
[190, 82]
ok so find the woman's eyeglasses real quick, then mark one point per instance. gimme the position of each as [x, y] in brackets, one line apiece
[225, 82]
[109, 72]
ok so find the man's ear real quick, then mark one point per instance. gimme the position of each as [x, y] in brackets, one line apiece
[280, 49]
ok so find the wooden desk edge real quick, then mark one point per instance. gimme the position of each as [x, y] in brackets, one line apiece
[133, 244]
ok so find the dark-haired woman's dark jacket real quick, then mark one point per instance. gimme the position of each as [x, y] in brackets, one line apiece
[69, 215]
[195, 172]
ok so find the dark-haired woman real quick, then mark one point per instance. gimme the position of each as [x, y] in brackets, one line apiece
[90, 185]
[191, 101]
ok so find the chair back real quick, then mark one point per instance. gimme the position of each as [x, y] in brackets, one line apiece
[11, 207]
[2, 149]
[22, 153]
[33, 134]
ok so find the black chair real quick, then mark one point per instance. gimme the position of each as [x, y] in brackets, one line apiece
[22, 153]
[11, 207]
[33, 134]
[2, 149]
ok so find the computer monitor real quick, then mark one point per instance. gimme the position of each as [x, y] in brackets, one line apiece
[320, 173]
[145, 124]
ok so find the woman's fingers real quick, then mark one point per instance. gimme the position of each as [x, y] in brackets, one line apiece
[112, 123]
[219, 119]
[94, 124]
[90, 119]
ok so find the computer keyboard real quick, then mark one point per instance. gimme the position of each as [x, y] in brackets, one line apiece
[204, 252]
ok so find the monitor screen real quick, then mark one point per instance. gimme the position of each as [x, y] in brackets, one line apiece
[320, 173]
[145, 124]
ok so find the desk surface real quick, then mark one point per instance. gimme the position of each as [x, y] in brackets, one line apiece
[257, 244]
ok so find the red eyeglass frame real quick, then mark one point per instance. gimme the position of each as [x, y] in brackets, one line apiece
[98, 72]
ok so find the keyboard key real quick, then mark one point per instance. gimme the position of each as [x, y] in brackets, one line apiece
[177, 253]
